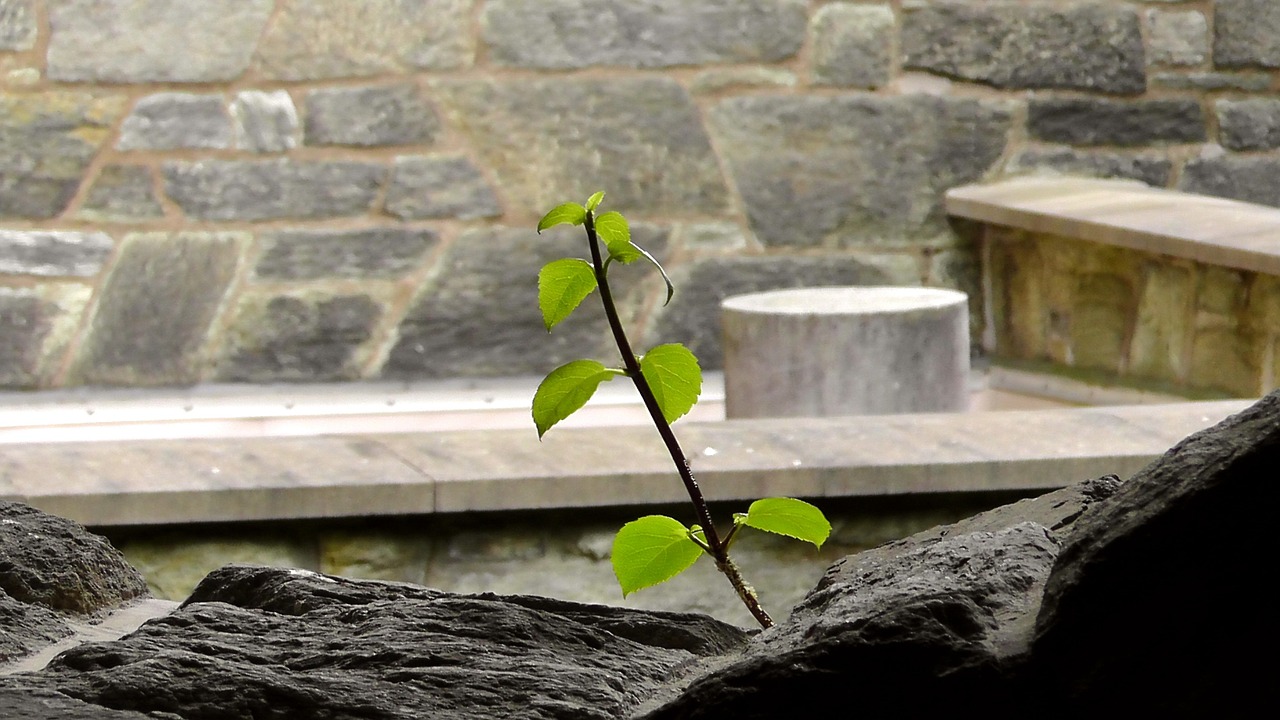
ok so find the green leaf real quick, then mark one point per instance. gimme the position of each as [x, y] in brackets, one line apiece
[593, 202]
[675, 378]
[787, 516]
[613, 230]
[651, 550]
[569, 212]
[562, 286]
[566, 389]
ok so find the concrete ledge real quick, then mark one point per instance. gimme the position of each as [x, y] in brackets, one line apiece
[216, 480]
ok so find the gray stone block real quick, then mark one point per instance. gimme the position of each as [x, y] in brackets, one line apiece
[272, 189]
[440, 187]
[852, 45]
[1150, 169]
[1177, 37]
[642, 142]
[1093, 121]
[156, 307]
[1252, 124]
[265, 121]
[122, 193]
[53, 253]
[854, 169]
[312, 338]
[167, 40]
[1252, 179]
[26, 322]
[1210, 81]
[1086, 46]
[563, 34]
[385, 252]
[370, 116]
[173, 121]
[1246, 33]
[17, 25]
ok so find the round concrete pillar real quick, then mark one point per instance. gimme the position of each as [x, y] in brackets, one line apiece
[845, 351]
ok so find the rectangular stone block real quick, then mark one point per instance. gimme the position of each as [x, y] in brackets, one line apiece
[36, 325]
[122, 193]
[852, 45]
[174, 121]
[53, 253]
[1246, 33]
[440, 186]
[1251, 178]
[265, 121]
[272, 189]
[1091, 121]
[385, 252]
[1163, 328]
[370, 116]
[1250, 124]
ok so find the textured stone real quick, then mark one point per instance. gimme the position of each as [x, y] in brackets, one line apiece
[385, 252]
[370, 116]
[299, 337]
[1087, 46]
[167, 40]
[439, 186]
[853, 169]
[1252, 179]
[26, 628]
[852, 45]
[381, 556]
[720, 79]
[156, 308]
[1014, 266]
[1252, 124]
[1246, 33]
[1100, 321]
[1225, 360]
[53, 253]
[316, 39]
[173, 121]
[272, 189]
[17, 25]
[122, 193]
[265, 121]
[1163, 328]
[1177, 38]
[46, 142]
[643, 135]
[1090, 121]
[1210, 81]
[36, 326]
[1151, 169]
[566, 34]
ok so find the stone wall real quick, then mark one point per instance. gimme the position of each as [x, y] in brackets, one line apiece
[314, 190]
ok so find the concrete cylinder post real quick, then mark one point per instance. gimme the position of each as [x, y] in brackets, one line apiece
[815, 352]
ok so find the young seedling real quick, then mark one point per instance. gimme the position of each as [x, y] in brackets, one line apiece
[654, 548]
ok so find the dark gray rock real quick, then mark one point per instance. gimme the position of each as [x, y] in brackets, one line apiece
[17, 25]
[26, 628]
[265, 121]
[53, 253]
[1253, 179]
[272, 189]
[173, 121]
[384, 252]
[29, 703]
[566, 34]
[440, 187]
[122, 193]
[1092, 121]
[1210, 81]
[1085, 46]
[852, 45]
[1252, 124]
[854, 169]
[298, 338]
[1151, 169]
[1246, 33]
[369, 116]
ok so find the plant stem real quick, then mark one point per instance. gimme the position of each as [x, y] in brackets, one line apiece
[719, 549]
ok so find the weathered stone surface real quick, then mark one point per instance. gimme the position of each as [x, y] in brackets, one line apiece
[1162, 328]
[440, 186]
[1177, 37]
[17, 25]
[644, 136]
[265, 121]
[1015, 267]
[1150, 169]
[1246, 32]
[174, 563]
[565, 34]
[53, 253]
[26, 628]
[1081, 121]
[1209, 81]
[41, 704]
[122, 193]
[168, 40]
[316, 39]
[1252, 179]
[172, 121]
[1086, 46]
[1252, 124]
[36, 326]
[46, 142]
[853, 169]
[478, 313]
[1100, 316]
[386, 252]
[370, 116]
[309, 337]
[719, 79]
[272, 189]
[852, 45]
[156, 308]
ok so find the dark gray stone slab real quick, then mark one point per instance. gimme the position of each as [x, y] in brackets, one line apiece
[854, 169]
[1251, 124]
[369, 116]
[1094, 121]
[386, 252]
[292, 338]
[122, 193]
[1085, 46]
[1246, 33]
[17, 25]
[1151, 169]
[431, 186]
[565, 34]
[28, 703]
[26, 628]
[1252, 179]
[852, 45]
[156, 307]
[1208, 81]
[53, 253]
[644, 137]
[265, 121]
[173, 121]
[272, 189]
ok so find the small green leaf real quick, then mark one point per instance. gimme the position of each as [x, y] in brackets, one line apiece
[675, 378]
[562, 286]
[569, 212]
[566, 389]
[787, 516]
[651, 550]
[593, 202]
[613, 230]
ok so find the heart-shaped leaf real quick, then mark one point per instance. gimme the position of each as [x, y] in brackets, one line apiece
[674, 376]
[570, 212]
[787, 516]
[616, 234]
[562, 286]
[566, 389]
[593, 202]
[651, 550]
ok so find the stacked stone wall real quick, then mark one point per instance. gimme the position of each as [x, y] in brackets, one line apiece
[320, 190]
